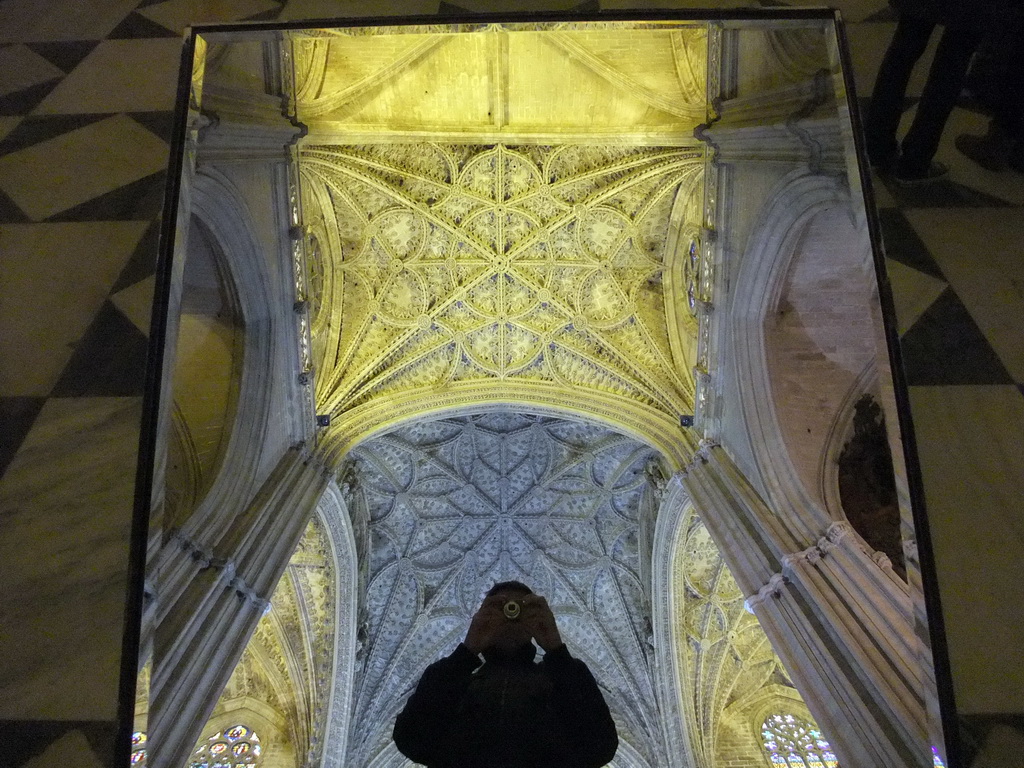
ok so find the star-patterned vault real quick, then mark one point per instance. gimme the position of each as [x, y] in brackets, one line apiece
[451, 274]
[449, 507]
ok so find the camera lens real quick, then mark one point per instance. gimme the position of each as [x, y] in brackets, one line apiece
[511, 609]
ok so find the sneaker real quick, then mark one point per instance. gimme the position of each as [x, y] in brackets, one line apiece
[990, 153]
[911, 177]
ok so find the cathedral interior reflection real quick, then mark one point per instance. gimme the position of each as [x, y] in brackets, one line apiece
[590, 305]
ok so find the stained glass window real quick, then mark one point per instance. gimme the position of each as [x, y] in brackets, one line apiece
[936, 760]
[235, 746]
[795, 743]
[138, 749]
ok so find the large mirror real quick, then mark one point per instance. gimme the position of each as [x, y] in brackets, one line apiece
[592, 305]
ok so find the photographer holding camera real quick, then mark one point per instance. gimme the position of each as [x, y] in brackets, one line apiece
[509, 711]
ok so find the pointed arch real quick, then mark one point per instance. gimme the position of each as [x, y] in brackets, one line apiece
[774, 337]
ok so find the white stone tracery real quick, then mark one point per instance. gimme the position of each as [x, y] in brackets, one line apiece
[456, 504]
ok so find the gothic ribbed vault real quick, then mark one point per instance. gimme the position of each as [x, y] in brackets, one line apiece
[502, 313]
[460, 274]
[503, 235]
[454, 505]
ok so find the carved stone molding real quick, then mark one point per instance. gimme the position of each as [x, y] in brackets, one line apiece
[833, 535]
[773, 588]
[206, 558]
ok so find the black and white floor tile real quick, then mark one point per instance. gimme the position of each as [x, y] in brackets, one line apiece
[86, 92]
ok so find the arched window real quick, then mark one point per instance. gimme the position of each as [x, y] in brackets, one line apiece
[138, 749]
[795, 743]
[235, 746]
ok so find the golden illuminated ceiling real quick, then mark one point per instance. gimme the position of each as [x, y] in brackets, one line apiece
[618, 82]
[504, 217]
[532, 274]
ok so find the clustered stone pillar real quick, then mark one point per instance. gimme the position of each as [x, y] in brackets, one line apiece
[210, 580]
[836, 617]
[202, 636]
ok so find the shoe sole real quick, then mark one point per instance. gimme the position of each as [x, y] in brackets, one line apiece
[900, 182]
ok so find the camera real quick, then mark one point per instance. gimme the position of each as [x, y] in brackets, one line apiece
[511, 609]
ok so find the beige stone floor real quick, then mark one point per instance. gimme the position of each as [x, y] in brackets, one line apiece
[86, 89]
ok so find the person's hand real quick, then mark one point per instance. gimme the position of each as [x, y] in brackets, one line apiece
[486, 624]
[536, 615]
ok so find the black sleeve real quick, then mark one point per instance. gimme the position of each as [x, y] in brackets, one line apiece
[421, 728]
[582, 709]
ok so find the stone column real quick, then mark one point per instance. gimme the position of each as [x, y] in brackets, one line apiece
[836, 617]
[173, 274]
[219, 140]
[228, 123]
[200, 640]
[750, 136]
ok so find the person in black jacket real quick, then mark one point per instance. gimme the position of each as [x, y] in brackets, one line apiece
[508, 711]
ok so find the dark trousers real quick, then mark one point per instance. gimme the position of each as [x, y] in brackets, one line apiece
[1009, 113]
[945, 79]
[996, 78]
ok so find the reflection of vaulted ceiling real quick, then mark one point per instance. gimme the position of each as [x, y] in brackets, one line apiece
[502, 220]
[525, 274]
[444, 508]
[503, 216]
[451, 506]
[500, 228]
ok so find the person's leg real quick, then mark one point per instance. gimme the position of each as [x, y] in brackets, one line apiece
[1010, 114]
[883, 118]
[945, 80]
[1003, 144]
